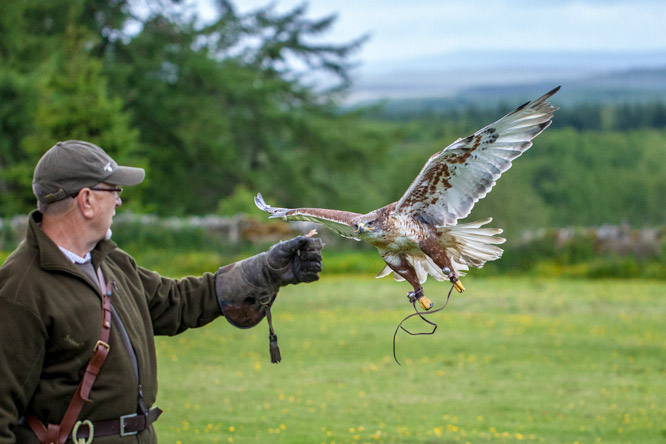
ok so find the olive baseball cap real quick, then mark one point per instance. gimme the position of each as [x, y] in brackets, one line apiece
[69, 166]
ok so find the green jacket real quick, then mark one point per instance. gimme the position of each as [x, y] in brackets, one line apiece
[50, 319]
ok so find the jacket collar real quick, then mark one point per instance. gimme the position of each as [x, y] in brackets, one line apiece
[50, 256]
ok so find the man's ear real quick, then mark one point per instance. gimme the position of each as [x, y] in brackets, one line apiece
[84, 202]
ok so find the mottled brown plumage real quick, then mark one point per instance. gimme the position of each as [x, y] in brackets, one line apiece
[419, 235]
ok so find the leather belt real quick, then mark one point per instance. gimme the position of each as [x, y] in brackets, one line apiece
[124, 426]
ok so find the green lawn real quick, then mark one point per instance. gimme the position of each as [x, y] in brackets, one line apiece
[514, 360]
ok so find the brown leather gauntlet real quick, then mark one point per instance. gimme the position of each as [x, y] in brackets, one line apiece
[243, 293]
[247, 289]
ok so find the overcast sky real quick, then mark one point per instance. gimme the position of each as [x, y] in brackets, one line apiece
[464, 36]
[401, 29]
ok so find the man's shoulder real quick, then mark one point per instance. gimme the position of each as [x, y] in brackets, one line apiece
[20, 270]
[121, 257]
[21, 258]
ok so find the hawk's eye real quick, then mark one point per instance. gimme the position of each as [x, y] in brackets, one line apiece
[370, 223]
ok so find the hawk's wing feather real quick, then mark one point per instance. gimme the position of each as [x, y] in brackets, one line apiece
[338, 221]
[454, 179]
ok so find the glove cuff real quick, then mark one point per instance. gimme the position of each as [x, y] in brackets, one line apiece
[245, 291]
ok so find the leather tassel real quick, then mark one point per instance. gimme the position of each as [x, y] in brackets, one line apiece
[274, 349]
[272, 338]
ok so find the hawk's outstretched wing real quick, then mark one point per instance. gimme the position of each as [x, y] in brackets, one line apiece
[454, 179]
[338, 221]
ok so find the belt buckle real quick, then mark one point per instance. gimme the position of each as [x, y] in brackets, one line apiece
[101, 343]
[122, 424]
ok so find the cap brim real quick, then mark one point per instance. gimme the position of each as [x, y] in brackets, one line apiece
[126, 176]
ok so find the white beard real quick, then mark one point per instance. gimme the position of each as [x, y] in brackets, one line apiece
[108, 234]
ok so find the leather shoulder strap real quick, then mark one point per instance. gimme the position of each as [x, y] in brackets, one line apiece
[58, 434]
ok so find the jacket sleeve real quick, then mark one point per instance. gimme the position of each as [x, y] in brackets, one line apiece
[22, 344]
[178, 304]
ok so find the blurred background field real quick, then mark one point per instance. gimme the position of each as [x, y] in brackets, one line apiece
[515, 359]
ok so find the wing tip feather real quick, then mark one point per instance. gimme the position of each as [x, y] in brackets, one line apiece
[272, 212]
[552, 92]
[539, 101]
[261, 203]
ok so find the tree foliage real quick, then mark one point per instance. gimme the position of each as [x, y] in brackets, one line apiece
[215, 115]
[204, 107]
[216, 111]
[53, 89]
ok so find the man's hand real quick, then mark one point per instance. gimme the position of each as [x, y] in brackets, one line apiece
[296, 260]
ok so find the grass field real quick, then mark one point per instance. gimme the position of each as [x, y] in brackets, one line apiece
[513, 360]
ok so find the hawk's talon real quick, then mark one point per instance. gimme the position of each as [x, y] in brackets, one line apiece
[457, 283]
[425, 303]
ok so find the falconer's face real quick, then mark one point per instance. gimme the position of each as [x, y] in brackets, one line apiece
[107, 199]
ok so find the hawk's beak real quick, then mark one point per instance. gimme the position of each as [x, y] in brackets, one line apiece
[361, 228]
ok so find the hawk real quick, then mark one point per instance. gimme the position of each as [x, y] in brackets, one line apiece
[419, 235]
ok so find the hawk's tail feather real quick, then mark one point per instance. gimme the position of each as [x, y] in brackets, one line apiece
[471, 245]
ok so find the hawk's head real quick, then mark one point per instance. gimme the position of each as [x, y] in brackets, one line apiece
[369, 226]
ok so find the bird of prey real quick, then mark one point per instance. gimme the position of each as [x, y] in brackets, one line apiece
[419, 235]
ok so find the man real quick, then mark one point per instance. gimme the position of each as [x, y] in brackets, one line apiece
[78, 316]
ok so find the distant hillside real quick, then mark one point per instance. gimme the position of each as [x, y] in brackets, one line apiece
[635, 87]
[629, 86]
